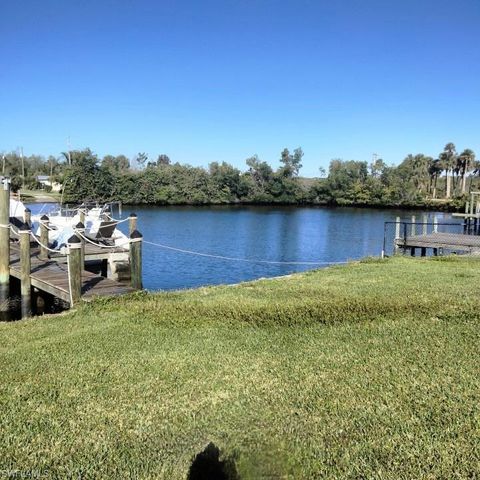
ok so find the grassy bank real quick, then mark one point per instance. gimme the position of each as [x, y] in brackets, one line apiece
[364, 371]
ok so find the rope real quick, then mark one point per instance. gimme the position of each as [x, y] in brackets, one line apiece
[236, 259]
[48, 227]
[44, 246]
[13, 231]
[115, 220]
[98, 244]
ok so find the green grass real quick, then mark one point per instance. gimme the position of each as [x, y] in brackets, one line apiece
[365, 371]
[40, 195]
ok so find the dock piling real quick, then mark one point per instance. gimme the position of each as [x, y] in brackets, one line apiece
[80, 228]
[136, 259]
[44, 237]
[132, 223]
[424, 224]
[26, 267]
[397, 234]
[4, 243]
[27, 217]
[81, 214]
[74, 260]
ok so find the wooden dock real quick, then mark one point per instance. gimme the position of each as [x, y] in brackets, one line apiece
[455, 242]
[66, 273]
[51, 275]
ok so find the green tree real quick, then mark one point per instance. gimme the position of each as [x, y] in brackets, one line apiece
[117, 164]
[291, 163]
[261, 174]
[434, 170]
[448, 160]
[163, 160]
[466, 161]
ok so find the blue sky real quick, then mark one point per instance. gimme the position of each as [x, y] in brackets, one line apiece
[222, 80]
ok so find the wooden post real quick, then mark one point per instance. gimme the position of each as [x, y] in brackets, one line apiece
[27, 217]
[25, 270]
[104, 268]
[413, 225]
[425, 224]
[74, 260]
[136, 259]
[132, 223]
[412, 251]
[80, 228]
[4, 243]
[397, 234]
[467, 207]
[43, 237]
[81, 213]
[435, 224]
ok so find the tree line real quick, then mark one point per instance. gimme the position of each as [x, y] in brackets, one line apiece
[419, 180]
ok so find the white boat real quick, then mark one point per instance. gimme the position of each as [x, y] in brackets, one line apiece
[100, 227]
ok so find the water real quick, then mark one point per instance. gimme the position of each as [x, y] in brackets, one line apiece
[284, 234]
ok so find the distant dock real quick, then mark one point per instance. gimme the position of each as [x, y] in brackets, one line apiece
[424, 235]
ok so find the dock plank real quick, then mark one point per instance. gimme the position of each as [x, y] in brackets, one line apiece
[448, 241]
[51, 275]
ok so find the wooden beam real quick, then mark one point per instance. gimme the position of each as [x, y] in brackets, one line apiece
[4, 244]
[25, 268]
[75, 269]
[136, 259]
[132, 223]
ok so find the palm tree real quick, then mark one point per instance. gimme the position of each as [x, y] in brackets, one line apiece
[434, 170]
[67, 157]
[466, 159]
[448, 160]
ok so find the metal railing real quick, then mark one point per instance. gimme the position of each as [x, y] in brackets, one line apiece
[397, 232]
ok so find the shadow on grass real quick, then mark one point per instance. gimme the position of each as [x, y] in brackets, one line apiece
[208, 466]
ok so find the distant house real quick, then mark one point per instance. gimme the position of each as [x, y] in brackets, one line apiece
[44, 181]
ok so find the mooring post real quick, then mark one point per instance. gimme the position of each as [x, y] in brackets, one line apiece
[413, 225]
[25, 270]
[80, 228]
[136, 259]
[435, 224]
[424, 224]
[132, 223]
[397, 234]
[4, 243]
[27, 217]
[44, 237]
[74, 260]
[81, 214]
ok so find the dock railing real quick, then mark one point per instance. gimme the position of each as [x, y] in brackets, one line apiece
[398, 234]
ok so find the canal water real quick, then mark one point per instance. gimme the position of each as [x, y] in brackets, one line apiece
[254, 236]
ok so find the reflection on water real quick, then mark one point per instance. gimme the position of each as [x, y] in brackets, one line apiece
[261, 233]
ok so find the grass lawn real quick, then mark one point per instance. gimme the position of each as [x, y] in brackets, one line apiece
[369, 370]
[39, 196]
